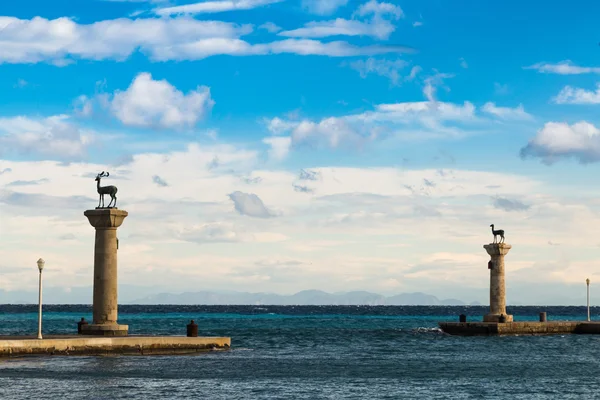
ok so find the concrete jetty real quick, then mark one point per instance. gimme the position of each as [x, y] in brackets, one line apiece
[105, 335]
[520, 328]
[498, 322]
[16, 346]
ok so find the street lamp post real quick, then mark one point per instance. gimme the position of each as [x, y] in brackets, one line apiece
[40, 264]
[587, 281]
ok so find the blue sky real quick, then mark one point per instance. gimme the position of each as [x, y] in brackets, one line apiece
[406, 113]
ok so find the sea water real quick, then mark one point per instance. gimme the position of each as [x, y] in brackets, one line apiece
[310, 352]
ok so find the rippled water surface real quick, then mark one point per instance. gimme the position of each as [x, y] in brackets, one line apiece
[309, 353]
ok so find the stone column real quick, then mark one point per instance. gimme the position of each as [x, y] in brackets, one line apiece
[106, 221]
[497, 251]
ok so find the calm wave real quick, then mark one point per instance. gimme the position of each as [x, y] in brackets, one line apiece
[308, 352]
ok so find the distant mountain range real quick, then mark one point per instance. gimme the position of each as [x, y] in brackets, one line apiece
[306, 297]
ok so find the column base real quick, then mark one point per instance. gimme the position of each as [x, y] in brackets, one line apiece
[496, 318]
[105, 330]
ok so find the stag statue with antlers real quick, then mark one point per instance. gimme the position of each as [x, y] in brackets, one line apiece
[102, 190]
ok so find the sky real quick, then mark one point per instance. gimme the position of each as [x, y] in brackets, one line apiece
[283, 145]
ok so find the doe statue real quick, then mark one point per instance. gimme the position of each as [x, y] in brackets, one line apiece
[102, 190]
[496, 233]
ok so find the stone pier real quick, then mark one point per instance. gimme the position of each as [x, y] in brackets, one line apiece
[497, 251]
[106, 221]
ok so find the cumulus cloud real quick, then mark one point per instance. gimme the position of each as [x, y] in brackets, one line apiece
[62, 40]
[156, 103]
[280, 147]
[249, 204]
[323, 7]
[566, 67]
[278, 126]
[506, 112]
[571, 95]
[209, 7]
[331, 132]
[51, 137]
[556, 140]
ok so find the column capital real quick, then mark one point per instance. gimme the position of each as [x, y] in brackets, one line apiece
[106, 218]
[497, 249]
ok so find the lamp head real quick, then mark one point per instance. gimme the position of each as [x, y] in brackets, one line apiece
[40, 264]
[587, 281]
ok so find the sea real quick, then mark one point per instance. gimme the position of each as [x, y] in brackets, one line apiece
[310, 352]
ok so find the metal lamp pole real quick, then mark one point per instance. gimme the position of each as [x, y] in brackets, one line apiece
[40, 264]
[587, 281]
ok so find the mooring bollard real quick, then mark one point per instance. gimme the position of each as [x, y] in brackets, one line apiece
[462, 318]
[543, 317]
[192, 329]
[80, 325]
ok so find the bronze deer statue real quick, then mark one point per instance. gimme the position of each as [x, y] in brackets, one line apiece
[102, 190]
[496, 233]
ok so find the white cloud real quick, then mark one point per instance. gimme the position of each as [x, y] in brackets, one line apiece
[323, 7]
[557, 140]
[379, 9]
[387, 68]
[377, 26]
[61, 40]
[506, 112]
[441, 110]
[40, 39]
[417, 24]
[332, 131]
[394, 119]
[278, 126]
[371, 207]
[380, 29]
[270, 27]
[249, 204]
[414, 71]
[280, 147]
[463, 63]
[208, 7]
[51, 137]
[566, 67]
[332, 49]
[571, 95]
[156, 103]
[432, 82]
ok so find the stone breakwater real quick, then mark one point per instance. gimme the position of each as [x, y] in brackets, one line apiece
[520, 328]
[131, 345]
